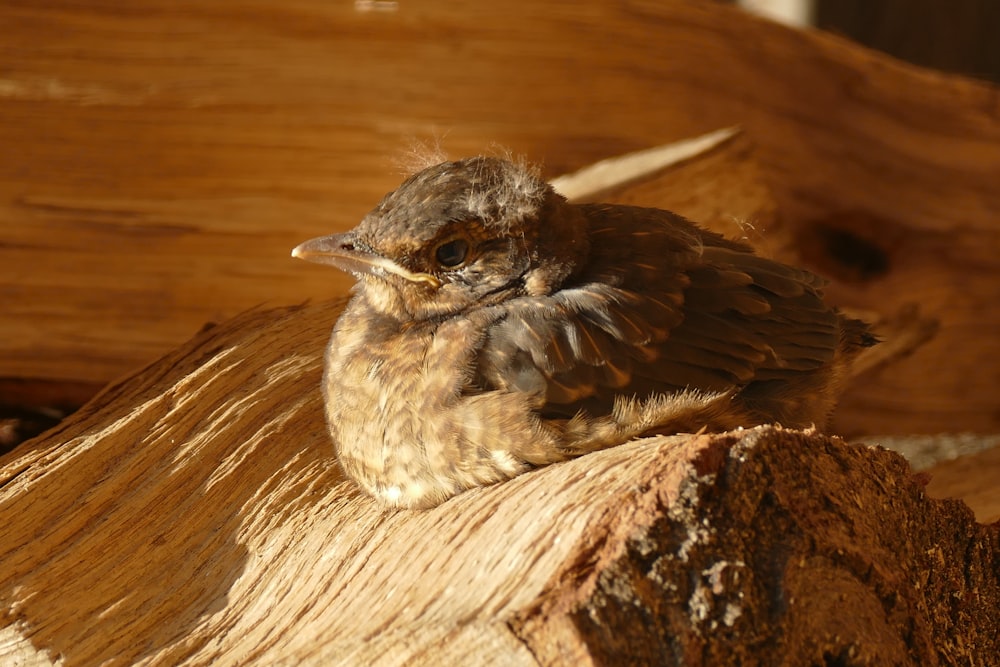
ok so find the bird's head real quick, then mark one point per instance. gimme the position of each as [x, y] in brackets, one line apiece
[456, 235]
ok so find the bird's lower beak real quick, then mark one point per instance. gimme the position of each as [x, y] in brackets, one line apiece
[340, 251]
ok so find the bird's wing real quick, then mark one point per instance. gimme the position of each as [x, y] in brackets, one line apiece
[725, 320]
[774, 326]
[570, 345]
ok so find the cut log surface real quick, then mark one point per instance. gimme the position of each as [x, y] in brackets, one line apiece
[194, 514]
[160, 161]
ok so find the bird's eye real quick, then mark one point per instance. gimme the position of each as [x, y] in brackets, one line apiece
[452, 253]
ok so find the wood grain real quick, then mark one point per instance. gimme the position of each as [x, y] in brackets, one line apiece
[193, 514]
[161, 159]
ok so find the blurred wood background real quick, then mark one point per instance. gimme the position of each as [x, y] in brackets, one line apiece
[161, 158]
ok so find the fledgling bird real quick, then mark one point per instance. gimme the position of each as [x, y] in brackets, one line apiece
[495, 327]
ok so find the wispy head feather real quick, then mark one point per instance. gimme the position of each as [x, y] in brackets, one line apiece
[420, 154]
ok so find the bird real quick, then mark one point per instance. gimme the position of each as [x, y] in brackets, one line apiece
[494, 327]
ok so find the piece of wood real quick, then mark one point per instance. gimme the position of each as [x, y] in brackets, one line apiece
[161, 160]
[713, 179]
[973, 478]
[963, 466]
[193, 514]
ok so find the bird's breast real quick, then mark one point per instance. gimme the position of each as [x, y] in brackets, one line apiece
[393, 395]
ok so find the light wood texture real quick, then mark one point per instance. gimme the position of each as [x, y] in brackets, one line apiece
[161, 159]
[193, 514]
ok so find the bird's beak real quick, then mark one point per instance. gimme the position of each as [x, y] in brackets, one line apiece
[340, 251]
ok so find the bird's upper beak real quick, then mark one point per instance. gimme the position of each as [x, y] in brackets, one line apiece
[340, 251]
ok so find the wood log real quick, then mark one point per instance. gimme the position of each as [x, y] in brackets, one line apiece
[193, 514]
[160, 161]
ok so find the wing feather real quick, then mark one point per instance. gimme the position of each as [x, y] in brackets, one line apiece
[711, 317]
